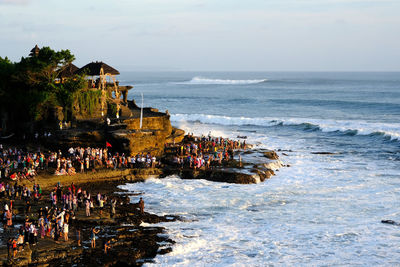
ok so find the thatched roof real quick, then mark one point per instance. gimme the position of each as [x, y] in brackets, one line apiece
[93, 69]
[68, 71]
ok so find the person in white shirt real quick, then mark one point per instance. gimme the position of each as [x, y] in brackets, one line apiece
[65, 231]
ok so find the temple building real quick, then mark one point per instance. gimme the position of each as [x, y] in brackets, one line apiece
[102, 77]
[66, 73]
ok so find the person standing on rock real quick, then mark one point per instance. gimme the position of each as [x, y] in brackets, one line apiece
[107, 246]
[58, 193]
[98, 198]
[41, 227]
[78, 235]
[87, 163]
[141, 206]
[32, 234]
[9, 247]
[113, 205]
[9, 218]
[93, 236]
[74, 203]
[65, 231]
[87, 207]
[101, 205]
[20, 242]
[82, 166]
[14, 248]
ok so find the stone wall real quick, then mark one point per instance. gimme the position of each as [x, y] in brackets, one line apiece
[161, 123]
[156, 131]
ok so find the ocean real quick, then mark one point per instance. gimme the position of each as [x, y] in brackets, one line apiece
[325, 209]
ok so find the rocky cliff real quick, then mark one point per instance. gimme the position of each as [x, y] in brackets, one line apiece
[124, 134]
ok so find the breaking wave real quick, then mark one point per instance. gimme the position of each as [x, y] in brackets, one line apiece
[201, 80]
[356, 127]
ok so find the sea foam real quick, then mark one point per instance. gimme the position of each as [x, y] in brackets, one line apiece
[350, 127]
[201, 80]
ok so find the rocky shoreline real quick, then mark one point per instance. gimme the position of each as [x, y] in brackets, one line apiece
[266, 163]
[133, 243]
[90, 126]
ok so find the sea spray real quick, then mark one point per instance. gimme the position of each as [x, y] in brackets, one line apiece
[354, 127]
[208, 81]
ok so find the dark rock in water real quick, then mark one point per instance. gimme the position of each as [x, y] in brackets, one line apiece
[263, 173]
[242, 137]
[390, 222]
[271, 155]
[324, 153]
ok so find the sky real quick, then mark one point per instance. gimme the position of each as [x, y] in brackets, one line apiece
[205, 35]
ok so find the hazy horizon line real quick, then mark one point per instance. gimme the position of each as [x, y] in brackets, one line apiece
[321, 71]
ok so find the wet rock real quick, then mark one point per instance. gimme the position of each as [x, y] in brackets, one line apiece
[272, 165]
[271, 155]
[218, 175]
[390, 222]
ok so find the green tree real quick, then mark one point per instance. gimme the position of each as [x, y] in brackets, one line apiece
[28, 89]
[6, 69]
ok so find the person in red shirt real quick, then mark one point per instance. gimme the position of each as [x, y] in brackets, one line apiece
[14, 247]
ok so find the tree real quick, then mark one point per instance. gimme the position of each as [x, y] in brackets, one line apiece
[6, 69]
[44, 68]
[28, 89]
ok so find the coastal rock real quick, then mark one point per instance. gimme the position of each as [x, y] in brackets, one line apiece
[258, 173]
[129, 134]
[231, 171]
[271, 155]
[273, 165]
[218, 175]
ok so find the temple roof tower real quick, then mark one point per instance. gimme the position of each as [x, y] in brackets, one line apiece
[35, 51]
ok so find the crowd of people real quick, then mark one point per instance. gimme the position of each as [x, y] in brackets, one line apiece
[194, 152]
[206, 151]
[18, 164]
[86, 159]
[53, 220]
[62, 204]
